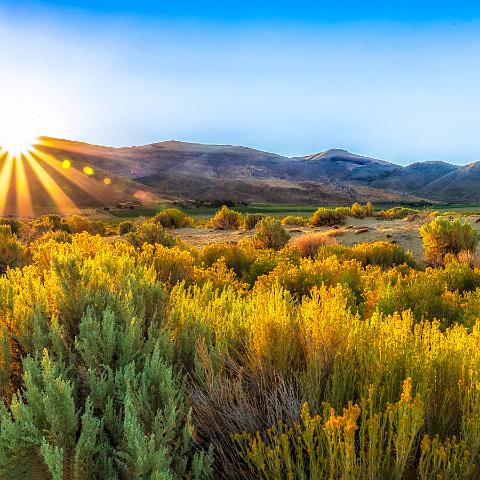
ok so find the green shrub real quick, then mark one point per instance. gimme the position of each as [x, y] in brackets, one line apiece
[442, 236]
[325, 217]
[172, 265]
[251, 219]
[270, 234]
[59, 237]
[126, 227]
[299, 279]
[15, 225]
[12, 252]
[79, 223]
[397, 213]
[294, 221]
[236, 256]
[383, 254]
[100, 396]
[152, 233]
[226, 219]
[172, 218]
[244, 259]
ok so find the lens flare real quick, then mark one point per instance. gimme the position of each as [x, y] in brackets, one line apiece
[28, 171]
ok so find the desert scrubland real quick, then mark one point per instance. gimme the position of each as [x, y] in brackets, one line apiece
[340, 345]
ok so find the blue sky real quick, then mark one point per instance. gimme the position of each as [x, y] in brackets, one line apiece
[395, 80]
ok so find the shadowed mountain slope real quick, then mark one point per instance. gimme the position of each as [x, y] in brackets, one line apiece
[190, 172]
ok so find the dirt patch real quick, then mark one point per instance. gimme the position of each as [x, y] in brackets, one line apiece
[367, 230]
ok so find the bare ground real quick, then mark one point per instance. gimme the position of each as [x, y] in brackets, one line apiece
[402, 232]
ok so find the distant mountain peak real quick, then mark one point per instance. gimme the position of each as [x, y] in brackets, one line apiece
[190, 171]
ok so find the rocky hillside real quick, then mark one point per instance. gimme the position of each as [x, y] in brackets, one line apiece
[188, 171]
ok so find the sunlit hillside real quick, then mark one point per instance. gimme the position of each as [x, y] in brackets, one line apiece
[34, 181]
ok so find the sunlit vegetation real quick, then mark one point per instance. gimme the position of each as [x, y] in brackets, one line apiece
[125, 353]
[443, 236]
[226, 219]
[310, 243]
[269, 233]
[172, 218]
[337, 216]
[294, 220]
[397, 213]
[250, 220]
[325, 217]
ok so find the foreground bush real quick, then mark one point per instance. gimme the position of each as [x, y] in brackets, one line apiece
[383, 254]
[325, 217]
[442, 236]
[226, 219]
[358, 443]
[124, 361]
[310, 243]
[152, 233]
[270, 234]
[12, 252]
[99, 396]
[172, 218]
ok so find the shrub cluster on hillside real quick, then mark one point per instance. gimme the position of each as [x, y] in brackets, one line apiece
[138, 357]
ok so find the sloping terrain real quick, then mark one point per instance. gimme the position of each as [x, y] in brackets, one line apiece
[186, 171]
[463, 183]
[413, 177]
[191, 172]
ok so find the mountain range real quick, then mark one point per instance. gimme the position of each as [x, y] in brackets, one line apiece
[191, 172]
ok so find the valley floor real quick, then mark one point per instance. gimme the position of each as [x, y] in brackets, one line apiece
[365, 230]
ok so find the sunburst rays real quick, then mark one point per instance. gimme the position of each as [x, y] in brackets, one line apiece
[5, 179]
[24, 199]
[22, 166]
[58, 196]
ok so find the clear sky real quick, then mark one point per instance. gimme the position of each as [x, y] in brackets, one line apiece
[395, 80]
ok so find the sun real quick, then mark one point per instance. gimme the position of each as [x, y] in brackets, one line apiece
[16, 144]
